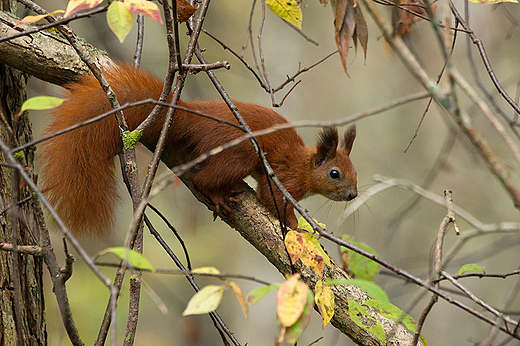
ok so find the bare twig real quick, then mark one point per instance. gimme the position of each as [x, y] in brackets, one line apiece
[140, 40]
[492, 330]
[485, 59]
[54, 23]
[26, 249]
[448, 219]
[479, 301]
[186, 272]
[262, 57]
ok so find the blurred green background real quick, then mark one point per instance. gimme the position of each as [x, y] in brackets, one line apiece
[325, 93]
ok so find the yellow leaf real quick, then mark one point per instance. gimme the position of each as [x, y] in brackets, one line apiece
[291, 298]
[293, 333]
[41, 103]
[34, 19]
[324, 299]
[134, 258]
[205, 301]
[305, 246]
[206, 270]
[294, 245]
[492, 1]
[119, 19]
[77, 5]
[144, 7]
[311, 238]
[240, 297]
[312, 258]
[287, 10]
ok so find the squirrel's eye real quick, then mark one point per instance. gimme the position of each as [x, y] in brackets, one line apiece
[334, 174]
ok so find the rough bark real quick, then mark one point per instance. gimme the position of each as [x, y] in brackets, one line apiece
[30, 311]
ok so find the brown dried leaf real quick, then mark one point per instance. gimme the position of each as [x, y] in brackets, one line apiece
[350, 25]
[407, 18]
[361, 29]
[184, 10]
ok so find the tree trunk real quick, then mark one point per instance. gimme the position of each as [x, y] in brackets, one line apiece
[22, 318]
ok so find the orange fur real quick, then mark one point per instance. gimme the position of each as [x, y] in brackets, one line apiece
[77, 167]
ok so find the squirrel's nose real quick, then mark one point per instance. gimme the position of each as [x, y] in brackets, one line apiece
[352, 194]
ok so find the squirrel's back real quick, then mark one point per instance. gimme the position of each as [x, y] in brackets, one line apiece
[77, 167]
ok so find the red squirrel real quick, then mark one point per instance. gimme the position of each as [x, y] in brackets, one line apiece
[77, 168]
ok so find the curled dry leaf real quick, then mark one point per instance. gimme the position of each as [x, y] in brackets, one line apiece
[406, 18]
[350, 26]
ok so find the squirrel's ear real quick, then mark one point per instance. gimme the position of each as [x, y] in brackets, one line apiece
[348, 140]
[327, 144]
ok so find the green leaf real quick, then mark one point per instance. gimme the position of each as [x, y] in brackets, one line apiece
[392, 312]
[373, 290]
[303, 224]
[375, 327]
[205, 301]
[41, 103]
[255, 295]
[287, 10]
[472, 268]
[362, 268]
[134, 258]
[119, 20]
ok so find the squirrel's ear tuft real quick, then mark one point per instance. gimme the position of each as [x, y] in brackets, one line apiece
[326, 145]
[348, 139]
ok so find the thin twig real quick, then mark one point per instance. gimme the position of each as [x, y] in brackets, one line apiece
[139, 41]
[262, 57]
[492, 330]
[300, 71]
[186, 272]
[485, 59]
[403, 7]
[479, 301]
[33, 250]
[443, 228]
[53, 24]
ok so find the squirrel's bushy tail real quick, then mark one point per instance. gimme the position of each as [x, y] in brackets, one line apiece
[77, 168]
